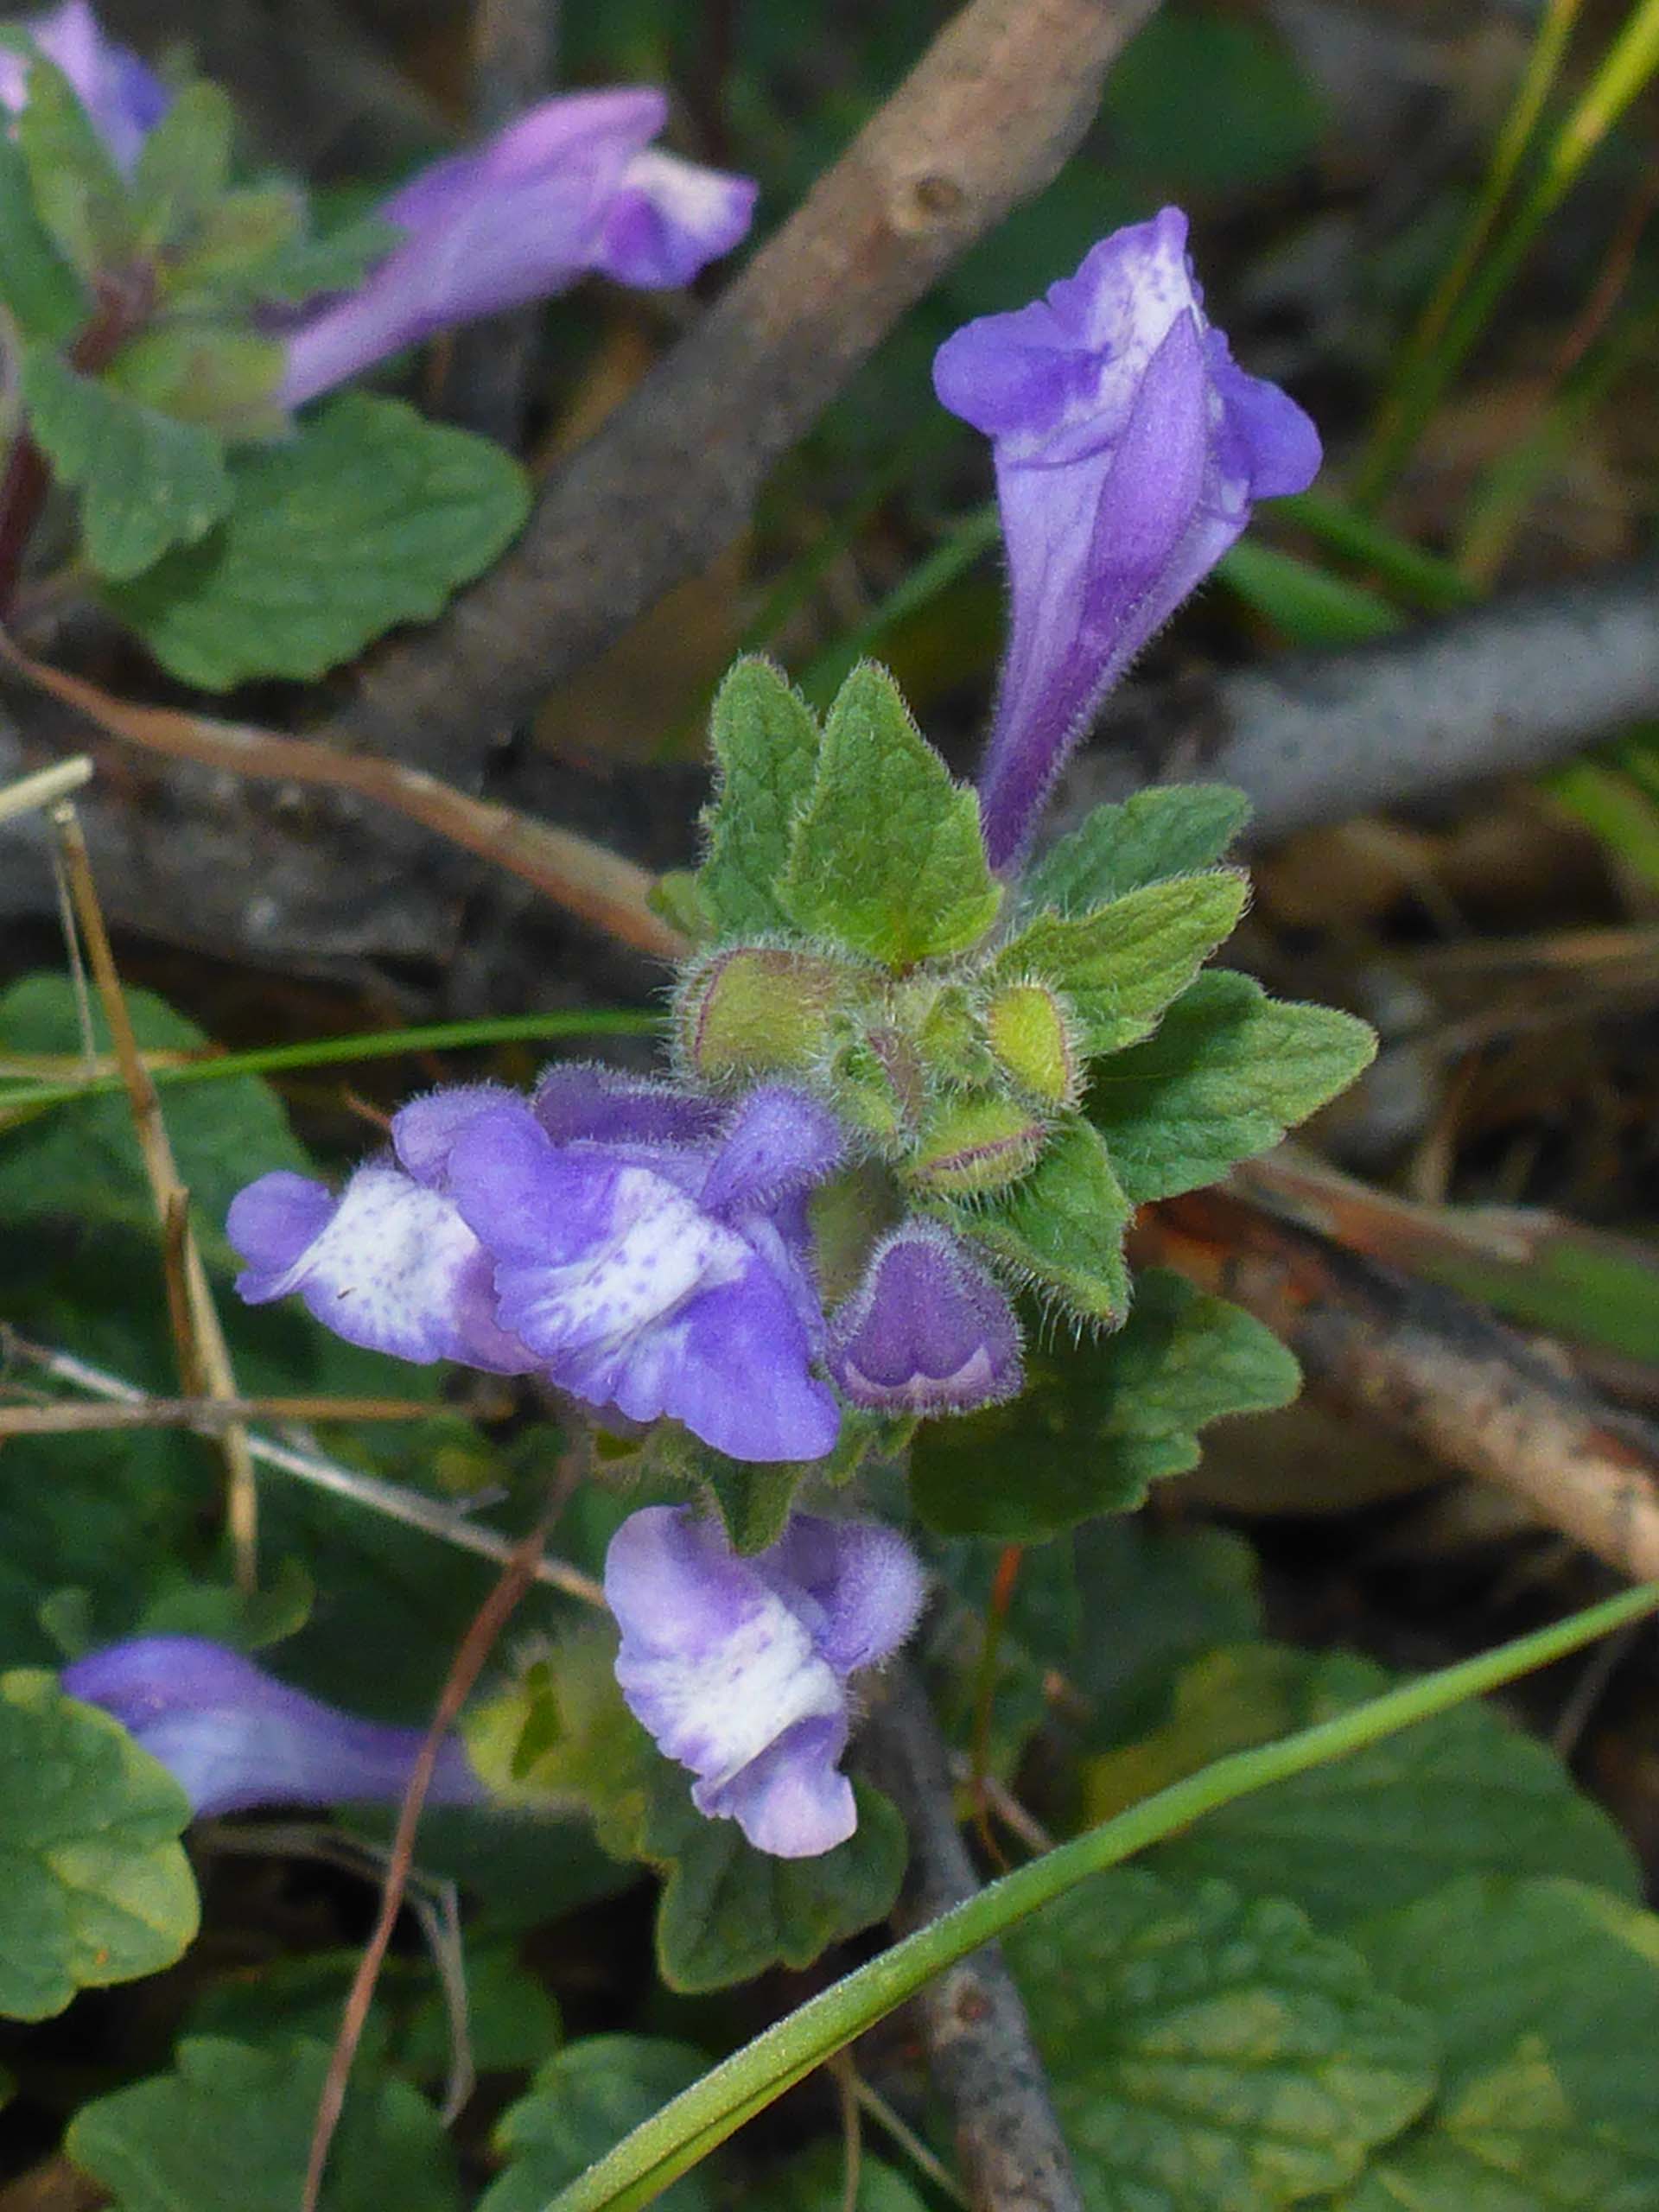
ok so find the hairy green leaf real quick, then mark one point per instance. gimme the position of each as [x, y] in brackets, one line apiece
[765, 741]
[580, 2105]
[1101, 1420]
[370, 517]
[229, 2130]
[147, 482]
[1123, 964]
[79, 193]
[1172, 829]
[886, 856]
[184, 163]
[1229, 1072]
[1468, 1792]
[1060, 1229]
[1205, 2050]
[95, 1885]
[40, 289]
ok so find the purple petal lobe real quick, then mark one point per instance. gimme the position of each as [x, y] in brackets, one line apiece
[233, 1737]
[739, 1666]
[927, 1331]
[559, 192]
[1128, 448]
[124, 99]
[424, 1133]
[777, 1141]
[392, 1266]
[630, 1293]
[669, 219]
[577, 1099]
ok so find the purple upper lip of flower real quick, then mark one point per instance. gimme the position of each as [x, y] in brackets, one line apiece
[739, 1666]
[124, 99]
[233, 1737]
[643, 1248]
[1129, 448]
[927, 1331]
[571, 186]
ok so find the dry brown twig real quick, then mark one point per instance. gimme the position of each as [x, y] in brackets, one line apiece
[1012, 2156]
[1429, 1367]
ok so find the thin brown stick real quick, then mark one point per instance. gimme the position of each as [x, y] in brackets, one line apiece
[203, 1352]
[1429, 1367]
[210, 1415]
[984, 120]
[392, 1501]
[604, 889]
[476, 1646]
[1013, 2158]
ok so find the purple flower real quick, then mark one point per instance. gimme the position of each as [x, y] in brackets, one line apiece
[233, 1737]
[1129, 448]
[641, 1247]
[739, 1666]
[927, 1331]
[573, 185]
[124, 99]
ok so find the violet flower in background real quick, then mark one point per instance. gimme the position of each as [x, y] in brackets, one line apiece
[740, 1668]
[641, 1247]
[927, 1331]
[233, 1737]
[1129, 448]
[124, 99]
[569, 188]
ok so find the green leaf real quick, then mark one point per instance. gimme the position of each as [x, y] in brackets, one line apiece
[580, 2105]
[1210, 102]
[765, 742]
[1229, 1072]
[1172, 829]
[728, 1912]
[1158, 1598]
[1207, 2050]
[1467, 1792]
[146, 481]
[253, 247]
[1099, 1422]
[369, 517]
[81, 1163]
[94, 1886]
[1061, 1228]
[184, 163]
[1123, 964]
[887, 856]
[223, 379]
[1311, 605]
[229, 2130]
[817, 2182]
[1545, 1994]
[45, 296]
[79, 193]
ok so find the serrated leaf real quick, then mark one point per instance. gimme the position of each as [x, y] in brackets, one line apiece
[729, 1912]
[223, 379]
[1174, 829]
[1061, 1228]
[94, 1886]
[580, 2106]
[1463, 1793]
[41, 290]
[229, 2129]
[1545, 1994]
[1229, 1072]
[1100, 1422]
[77, 192]
[146, 481]
[886, 856]
[1121, 965]
[765, 741]
[184, 163]
[1207, 2050]
[369, 517]
[80, 1162]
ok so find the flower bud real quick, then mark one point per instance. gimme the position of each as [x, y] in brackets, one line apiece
[1027, 1033]
[758, 1010]
[981, 1141]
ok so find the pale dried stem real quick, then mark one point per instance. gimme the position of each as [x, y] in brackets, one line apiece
[204, 1356]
